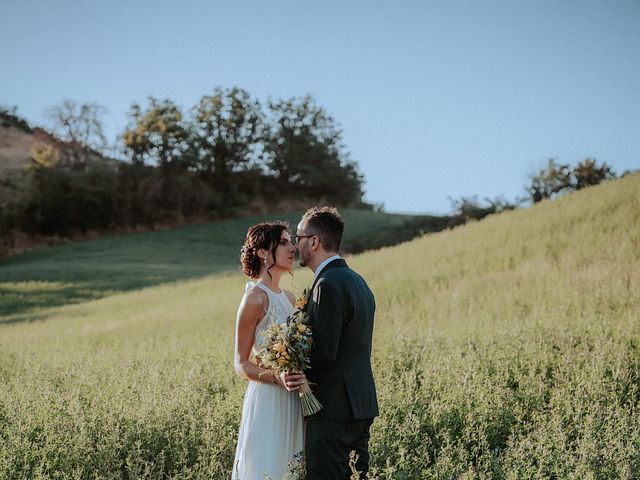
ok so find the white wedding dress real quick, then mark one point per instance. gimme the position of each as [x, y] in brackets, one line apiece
[272, 425]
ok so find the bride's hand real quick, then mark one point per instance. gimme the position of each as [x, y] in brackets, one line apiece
[292, 381]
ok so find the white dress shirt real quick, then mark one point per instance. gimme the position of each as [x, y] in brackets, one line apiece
[324, 264]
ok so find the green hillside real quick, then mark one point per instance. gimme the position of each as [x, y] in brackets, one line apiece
[83, 271]
[506, 349]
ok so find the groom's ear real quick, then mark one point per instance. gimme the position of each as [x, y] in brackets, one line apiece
[315, 243]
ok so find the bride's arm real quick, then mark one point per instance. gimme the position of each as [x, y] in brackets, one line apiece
[249, 315]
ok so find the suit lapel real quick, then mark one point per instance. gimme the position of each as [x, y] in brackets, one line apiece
[338, 262]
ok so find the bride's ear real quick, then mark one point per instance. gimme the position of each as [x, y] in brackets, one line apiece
[262, 254]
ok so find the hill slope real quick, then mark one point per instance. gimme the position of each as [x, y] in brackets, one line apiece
[15, 148]
[506, 348]
[82, 271]
[18, 141]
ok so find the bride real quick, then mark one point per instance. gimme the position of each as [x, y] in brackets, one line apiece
[272, 425]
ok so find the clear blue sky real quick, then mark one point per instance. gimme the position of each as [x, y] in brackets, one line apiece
[436, 99]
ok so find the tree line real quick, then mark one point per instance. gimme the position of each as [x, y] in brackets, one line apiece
[549, 182]
[228, 154]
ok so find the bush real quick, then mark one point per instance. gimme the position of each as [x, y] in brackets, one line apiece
[9, 118]
[556, 179]
[470, 208]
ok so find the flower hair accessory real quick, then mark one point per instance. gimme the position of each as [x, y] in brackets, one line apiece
[245, 249]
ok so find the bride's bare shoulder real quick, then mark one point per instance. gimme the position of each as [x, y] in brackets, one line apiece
[255, 297]
[253, 306]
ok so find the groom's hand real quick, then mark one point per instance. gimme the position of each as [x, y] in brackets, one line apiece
[292, 381]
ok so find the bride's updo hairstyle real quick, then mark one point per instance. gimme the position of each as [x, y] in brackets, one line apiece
[263, 235]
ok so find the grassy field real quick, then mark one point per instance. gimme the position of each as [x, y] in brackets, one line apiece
[77, 272]
[507, 348]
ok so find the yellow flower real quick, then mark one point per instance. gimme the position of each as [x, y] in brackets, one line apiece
[301, 302]
[302, 328]
[279, 347]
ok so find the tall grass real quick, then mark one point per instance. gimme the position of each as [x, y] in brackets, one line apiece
[508, 348]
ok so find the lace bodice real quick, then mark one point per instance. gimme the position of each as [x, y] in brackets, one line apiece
[279, 309]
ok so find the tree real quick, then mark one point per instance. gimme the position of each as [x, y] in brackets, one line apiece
[550, 181]
[80, 127]
[304, 150]
[227, 133]
[588, 173]
[9, 118]
[157, 136]
[556, 179]
[470, 208]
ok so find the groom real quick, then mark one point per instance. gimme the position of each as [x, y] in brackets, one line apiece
[341, 308]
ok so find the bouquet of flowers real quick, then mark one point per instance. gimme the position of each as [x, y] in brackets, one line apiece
[286, 348]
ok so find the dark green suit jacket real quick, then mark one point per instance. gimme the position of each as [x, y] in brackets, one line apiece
[342, 308]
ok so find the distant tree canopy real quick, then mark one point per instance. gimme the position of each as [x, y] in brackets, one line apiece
[9, 118]
[240, 148]
[157, 135]
[304, 148]
[80, 128]
[227, 133]
[226, 155]
[229, 154]
[559, 178]
[470, 208]
[547, 183]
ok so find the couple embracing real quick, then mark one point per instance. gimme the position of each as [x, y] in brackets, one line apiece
[341, 307]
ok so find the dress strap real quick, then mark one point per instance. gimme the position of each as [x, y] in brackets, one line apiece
[262, 286]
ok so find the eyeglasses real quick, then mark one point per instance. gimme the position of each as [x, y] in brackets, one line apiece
[295, 238]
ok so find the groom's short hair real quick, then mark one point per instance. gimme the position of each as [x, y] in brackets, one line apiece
[326, 223]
